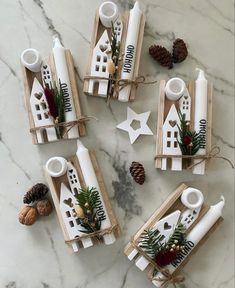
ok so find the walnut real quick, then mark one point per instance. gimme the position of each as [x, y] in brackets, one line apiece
[28, 215]
[44, 207]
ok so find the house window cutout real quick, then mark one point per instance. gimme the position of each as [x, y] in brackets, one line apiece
[75, 190]
[105, 59]
[97, 68]
[44, 105]
[175, 134]
[103, 68]
[37, 107]
[68, 214]
[98, 58]
[71, 223]
[168, 144]
[39, 116]
[46, 116]
[175, 144]
[77, 221]
[168, 134]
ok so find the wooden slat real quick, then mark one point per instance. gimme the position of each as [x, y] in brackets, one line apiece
[160, 122]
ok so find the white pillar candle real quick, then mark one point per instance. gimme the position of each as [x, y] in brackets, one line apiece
[200, 119]
[194, 237]
[90, 179]
[63, 76]
[130, 50]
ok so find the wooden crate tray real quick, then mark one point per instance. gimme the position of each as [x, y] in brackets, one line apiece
[28, 78]
[164, 105]
[171, 204]
[55, 184]
[97, 32]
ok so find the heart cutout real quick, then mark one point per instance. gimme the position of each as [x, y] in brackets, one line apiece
[71, 171]
[103, 48]
[167, 226]
[172, 123]
[68, 202]
[194, 212]
[186, 97]
[38, 95]
[44, 66]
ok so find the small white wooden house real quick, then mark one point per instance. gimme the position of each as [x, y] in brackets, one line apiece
[67, 202]
[99, 67]
[118, 27]
[185, 105]
[72, 176]
[40, 113]
[170, 135]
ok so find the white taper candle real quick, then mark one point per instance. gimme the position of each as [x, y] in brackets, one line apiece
[63, 76]
[200, 119]
[194, 237]
[89, 176]
[130, 50]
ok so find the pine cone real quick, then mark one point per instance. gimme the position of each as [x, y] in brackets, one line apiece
[137, 172]
[161, 55]
[180, 51]
[37, 192]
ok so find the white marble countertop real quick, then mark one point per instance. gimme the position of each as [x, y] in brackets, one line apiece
[34, 257]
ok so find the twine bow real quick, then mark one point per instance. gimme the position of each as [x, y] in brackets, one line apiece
[169, 278]
[213, 154]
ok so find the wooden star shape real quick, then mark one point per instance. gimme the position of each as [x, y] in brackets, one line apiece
[143, 129]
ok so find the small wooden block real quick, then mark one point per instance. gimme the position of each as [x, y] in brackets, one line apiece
[171, 204]
[28, 77]
[164, 105]
[55, 184]
[98, 30]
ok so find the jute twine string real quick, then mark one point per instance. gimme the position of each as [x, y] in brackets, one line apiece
[69, 124]
[122, 83]
[97, 234]
[167, 277]
[213, 154]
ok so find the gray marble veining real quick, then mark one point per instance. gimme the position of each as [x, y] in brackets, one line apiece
[36, 257]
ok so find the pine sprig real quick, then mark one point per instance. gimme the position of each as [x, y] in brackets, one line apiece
[178, 237]
[151, 242]
[87, 200]
[189, 141]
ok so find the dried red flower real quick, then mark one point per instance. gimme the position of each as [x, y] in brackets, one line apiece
[187, 140]
[165, 258]
[49, 93]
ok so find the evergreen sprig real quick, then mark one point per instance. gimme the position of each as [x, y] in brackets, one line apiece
[87, 200]
[151, 240]
[189, 141]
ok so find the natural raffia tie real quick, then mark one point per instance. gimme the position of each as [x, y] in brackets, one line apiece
[213, 154]
[97, 234]
[167, 278]
[69, 124]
